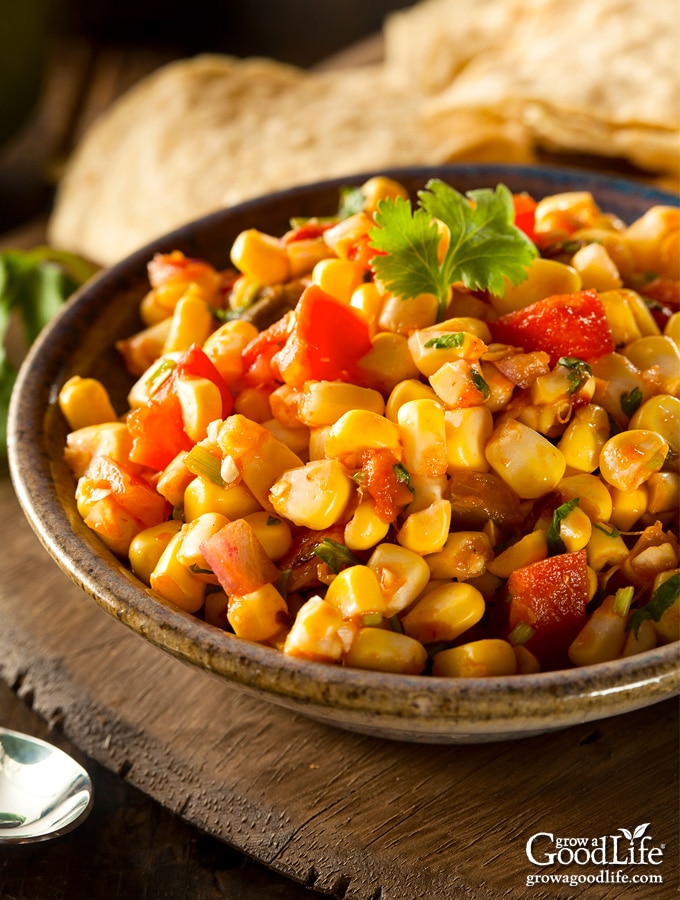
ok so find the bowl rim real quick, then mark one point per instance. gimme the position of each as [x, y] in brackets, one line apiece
[435, 702]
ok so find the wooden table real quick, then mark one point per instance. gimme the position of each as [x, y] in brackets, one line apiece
[203, 792]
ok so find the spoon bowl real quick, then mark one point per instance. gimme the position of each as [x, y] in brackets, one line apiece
[44, 793]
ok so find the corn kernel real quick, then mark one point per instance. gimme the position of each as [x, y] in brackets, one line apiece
[444, 613]
[525, 460]
[274, 534]
[594, 498]
[575, 530]
[639, 640]
[430, 348]
[403, 392]
[630, 457]
[233, 501]
[378, 188]
[85, 401]
[359, 429]
[367, 299]
[527, 662]
[402, 575]
[606, 547]
[597, 269]
[225, 345]
[477, 659]
[531, 548]
[402, 318]
[661, 354]
[147, 547]
[356, 593]
[660, 413]
[189, 552]
[627, 506]
[459, 384]
[386, 651]
[315, 632]
[365, 529]
[426, 530]
[304, 254]
[191, 323]
[215, 609]
[261, 257]
[464, 555]
[107, 439]
[201, 403]
[314, 495]
[338, 277]
[175, 582]
[324, 402]
[423, 437]
[545, 278]
[654, 240]
[259, 615]
[344, 237]
[602, 637]
[616, 378]
[388, 363]
[584, 437]
[667, 629]
[467, 433]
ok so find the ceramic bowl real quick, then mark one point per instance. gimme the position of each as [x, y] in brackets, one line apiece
[412, 708]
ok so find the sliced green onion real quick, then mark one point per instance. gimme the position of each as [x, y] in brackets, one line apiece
[371, 619]
[199, 461]
[159, 374]
[521, 633]
[622, 601]
[395, 624]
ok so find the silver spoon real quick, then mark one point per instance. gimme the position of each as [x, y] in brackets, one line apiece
[43, 792]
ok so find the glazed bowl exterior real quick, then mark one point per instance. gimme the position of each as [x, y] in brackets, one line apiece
[80, 340]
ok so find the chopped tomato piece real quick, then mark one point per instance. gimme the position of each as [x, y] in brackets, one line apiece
[257, 354]
[550, 597]
[197, 363]
[312, 228]
[525, 214]
[381, 480]
[238, 559]
[327, 341]
[562, 325]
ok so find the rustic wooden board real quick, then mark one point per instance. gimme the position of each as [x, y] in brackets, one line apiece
[347, 814]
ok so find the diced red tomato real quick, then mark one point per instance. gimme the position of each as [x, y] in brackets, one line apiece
[550, 597]
[327, 341]
[383, 484]
[157, 429]
[312, 228]
[525, 214]
[257, 354]
[238, 559]
[562, 325]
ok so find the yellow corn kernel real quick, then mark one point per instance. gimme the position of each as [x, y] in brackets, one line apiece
[386, 651]
[324, 402]
[215, 609]
[338, 277]
[531, 548]
[627, 316]
[253, 403]
[423, 437]
[661, 413]
[403, 392]
[630, 457]
[401, 573]
[469, 324]
[467, 432]
[259, 456]
[584, 437]
[359, 429]
[575, 529]
[557, 385]
[141, 350]
[402, 318]
[661, 354]
[304, 254]
[356, 593]
[667, 629]
[194, 533]
[672, 329]
[602, 637]
[273, 533]
[367, 299]
[430, 348]
[159, 303]
[525, 460]
[260, 257]
[639, 640]
[477, 659]
[571, 210]
[627, 506]
[527, 662]
[233, 501]
[174, 480]
[615, 379]
[545, 277]
[259, 615]
[201, 403]
[314, 495]
[499, 389]
[548, 420]
[460, 384]
[606, 547]
[343, 237]
[317, 441]
[365, 529]
[663, 492]
[593, 495]
[191, 323]
[147, 547]
[296, 439]
[107, 439]
[378, 188]
[596, 268]
[426, 530]
[388, 363]
[464, 555]
[85, 401]
[175, 582]
[444, 613]
[654, 240]
[316, 632]
[225, 345]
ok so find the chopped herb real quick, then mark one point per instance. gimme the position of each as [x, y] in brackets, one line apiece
[159, 373]
[479, 382]
[622, 600]
[521, 633]
[485, 248]
[579, 371]
[403, 475]
[395, 624]
[272, 520]
[201, 462]
[198, 570]
[662, 599]
[447, 341]
[352, 201]
[630, 401]
[371, 619]
[335, 555]
[555, 543]
[609, 530]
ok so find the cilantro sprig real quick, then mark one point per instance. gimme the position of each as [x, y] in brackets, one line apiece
[33, 285]
[662, 599]
[485, 249]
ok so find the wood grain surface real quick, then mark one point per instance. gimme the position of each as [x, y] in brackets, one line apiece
[347, 815]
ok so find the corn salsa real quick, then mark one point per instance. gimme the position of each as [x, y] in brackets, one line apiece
[441, 440]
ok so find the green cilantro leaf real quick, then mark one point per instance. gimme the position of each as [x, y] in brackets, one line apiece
[479, 382]
[352, 201]
[335, 555]
[555, 543]
[630, 401]
[446, 341]
[662, 599]
[484, 250]
[579, 371]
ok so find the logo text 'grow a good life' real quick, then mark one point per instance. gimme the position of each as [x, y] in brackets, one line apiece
[628, 848]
